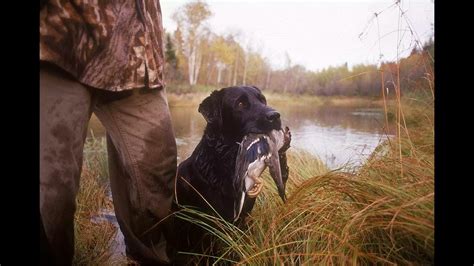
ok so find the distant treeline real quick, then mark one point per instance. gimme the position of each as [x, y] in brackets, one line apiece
[196, 56]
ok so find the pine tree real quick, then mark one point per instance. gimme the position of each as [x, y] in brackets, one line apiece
[170, 53]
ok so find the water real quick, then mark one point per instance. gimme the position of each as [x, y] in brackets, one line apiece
[336, 135]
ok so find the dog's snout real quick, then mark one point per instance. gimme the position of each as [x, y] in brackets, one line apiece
[272, 115]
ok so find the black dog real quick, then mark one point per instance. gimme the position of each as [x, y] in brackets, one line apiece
[231, 113]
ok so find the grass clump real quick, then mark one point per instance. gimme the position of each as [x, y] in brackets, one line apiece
[94, 236]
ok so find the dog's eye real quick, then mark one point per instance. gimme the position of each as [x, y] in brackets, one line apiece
[241, 104]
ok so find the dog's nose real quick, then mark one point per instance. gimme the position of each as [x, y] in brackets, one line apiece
[272, 115]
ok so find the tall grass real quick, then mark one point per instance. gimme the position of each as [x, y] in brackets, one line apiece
[377, 214]
[94, 236]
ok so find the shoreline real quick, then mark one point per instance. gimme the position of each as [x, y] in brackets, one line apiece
[195, 98]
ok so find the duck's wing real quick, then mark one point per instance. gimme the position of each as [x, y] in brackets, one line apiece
[251, 150]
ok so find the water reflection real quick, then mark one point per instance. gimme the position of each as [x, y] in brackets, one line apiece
[338, 136]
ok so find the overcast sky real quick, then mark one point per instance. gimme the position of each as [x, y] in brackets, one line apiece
[317, 34]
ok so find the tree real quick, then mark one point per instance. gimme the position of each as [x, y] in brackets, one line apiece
[287, 72]
[255, 70]
[224, 56]
[191, 19]
[246, 63]
[171, 59]
[212, 59]
[238, 51]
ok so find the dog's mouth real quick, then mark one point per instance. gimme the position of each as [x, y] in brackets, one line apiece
[262, 126]
[264, 130]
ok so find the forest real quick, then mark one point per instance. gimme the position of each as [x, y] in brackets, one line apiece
[197, 57]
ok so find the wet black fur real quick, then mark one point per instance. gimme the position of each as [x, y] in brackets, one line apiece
[210, 168]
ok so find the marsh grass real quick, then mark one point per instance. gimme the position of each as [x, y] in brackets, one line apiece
[383, 213]
[94, 236]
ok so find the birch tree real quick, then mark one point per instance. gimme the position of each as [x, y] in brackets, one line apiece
[191, 21]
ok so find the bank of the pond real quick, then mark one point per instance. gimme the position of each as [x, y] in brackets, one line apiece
[195, 98]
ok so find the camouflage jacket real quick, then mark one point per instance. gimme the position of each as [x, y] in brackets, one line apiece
[111, 44]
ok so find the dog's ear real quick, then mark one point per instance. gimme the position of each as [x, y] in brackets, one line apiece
[211, 108]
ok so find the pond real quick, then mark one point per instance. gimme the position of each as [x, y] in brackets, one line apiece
[339, 136]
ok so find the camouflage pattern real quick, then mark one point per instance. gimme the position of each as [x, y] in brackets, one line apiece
[112, 45]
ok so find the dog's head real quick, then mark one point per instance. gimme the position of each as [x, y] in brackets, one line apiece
[237, 111]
